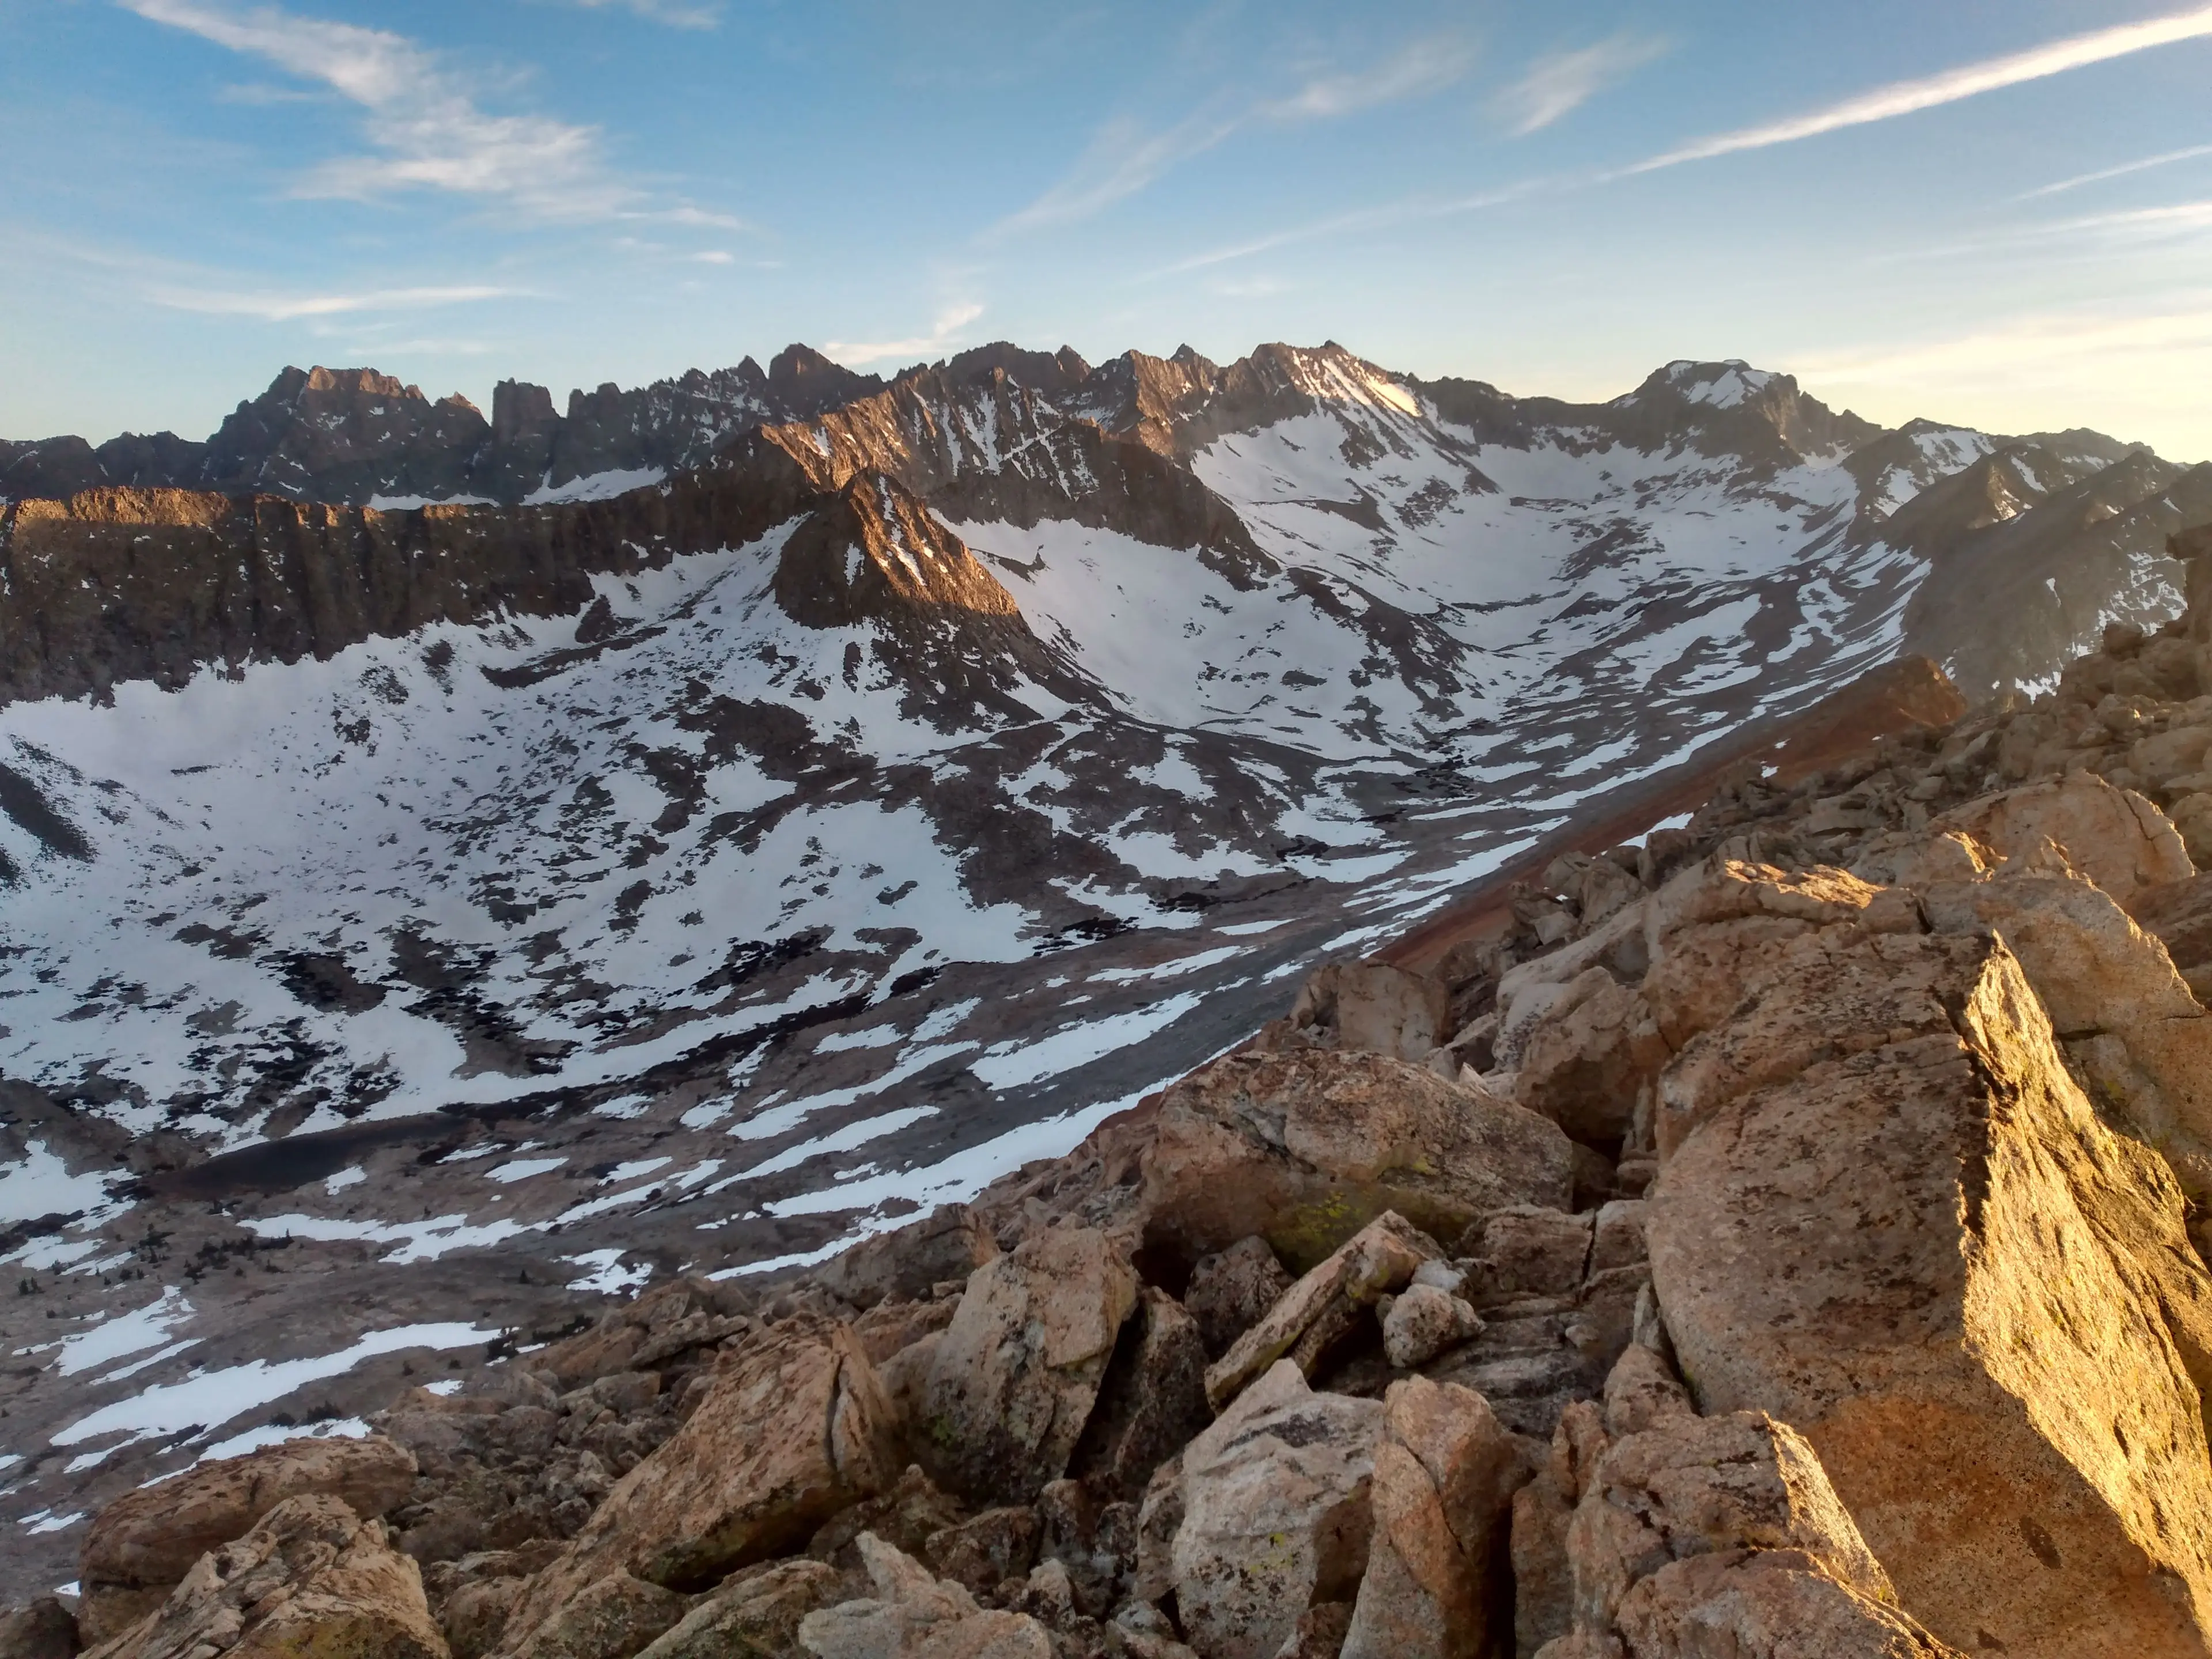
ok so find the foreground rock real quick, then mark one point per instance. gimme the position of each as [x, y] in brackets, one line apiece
[758, 1612]
[1015, 1375]
[1325, 1306]
[2121, 841]
[142, 1545]
[794, 1428]
[2125, 1017]
[1977, 1303]
[913, 1613]
[1765, 1604]
[310, 1578]
[1445, 1472]
[43, 1629]
[1302, 1149]
[1697, 1537]
[1276, 1514]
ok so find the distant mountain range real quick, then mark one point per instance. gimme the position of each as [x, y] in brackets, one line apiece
[355, 435]
[358, 437]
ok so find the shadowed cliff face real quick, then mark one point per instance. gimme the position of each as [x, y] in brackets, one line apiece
[2023, 579]
[124, 584]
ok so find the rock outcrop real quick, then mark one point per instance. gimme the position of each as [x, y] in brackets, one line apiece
[912, 1613]
[1968, 1295]
[1305, 1148]
[1445, 1472]
[309, 1578]
[142, 1545]
[793, 1428]
[1277, 1514]
[1016, 1373]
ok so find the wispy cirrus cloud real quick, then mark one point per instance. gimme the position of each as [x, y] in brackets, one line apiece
[674, 13]
[2171, 218]
[425, 127]
[944, 331]
[1540, 98]
[1560, 83]
[1420, 68]
[1120, 159]
[2121, 172]
[255, 94]
[389, 351]
[290, 307]
[1968, 81]
[1125, 156]
[1408, 210]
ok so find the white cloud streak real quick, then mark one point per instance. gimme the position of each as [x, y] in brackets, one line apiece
[676, 15]
[2120, 172]
[422, 121]
[1423, 67]
[283, 307]
[1558, 84]
[389, 351]
[1118, 162]
[1969, 80]
[1379, 217]
[692, 215]
[2135, 222]
[944, 332]
[253, 94]
[1124, 157]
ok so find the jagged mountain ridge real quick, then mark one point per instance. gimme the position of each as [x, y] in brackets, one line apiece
[355, 435]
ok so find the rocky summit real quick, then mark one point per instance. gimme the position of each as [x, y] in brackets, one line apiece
[1623, 981]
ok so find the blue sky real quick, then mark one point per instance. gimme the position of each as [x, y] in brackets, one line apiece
[1993, 211]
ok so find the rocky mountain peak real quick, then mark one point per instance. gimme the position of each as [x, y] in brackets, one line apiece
[1731, 406]
[804, 382]
[1059, 374]
[2001, 485]
[877, 551]
[518, 406]
[1178, 405]
[931, 619]
[1148, 398]
[347, 382]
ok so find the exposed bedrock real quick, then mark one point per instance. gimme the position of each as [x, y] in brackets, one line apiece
[1977, 1301]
